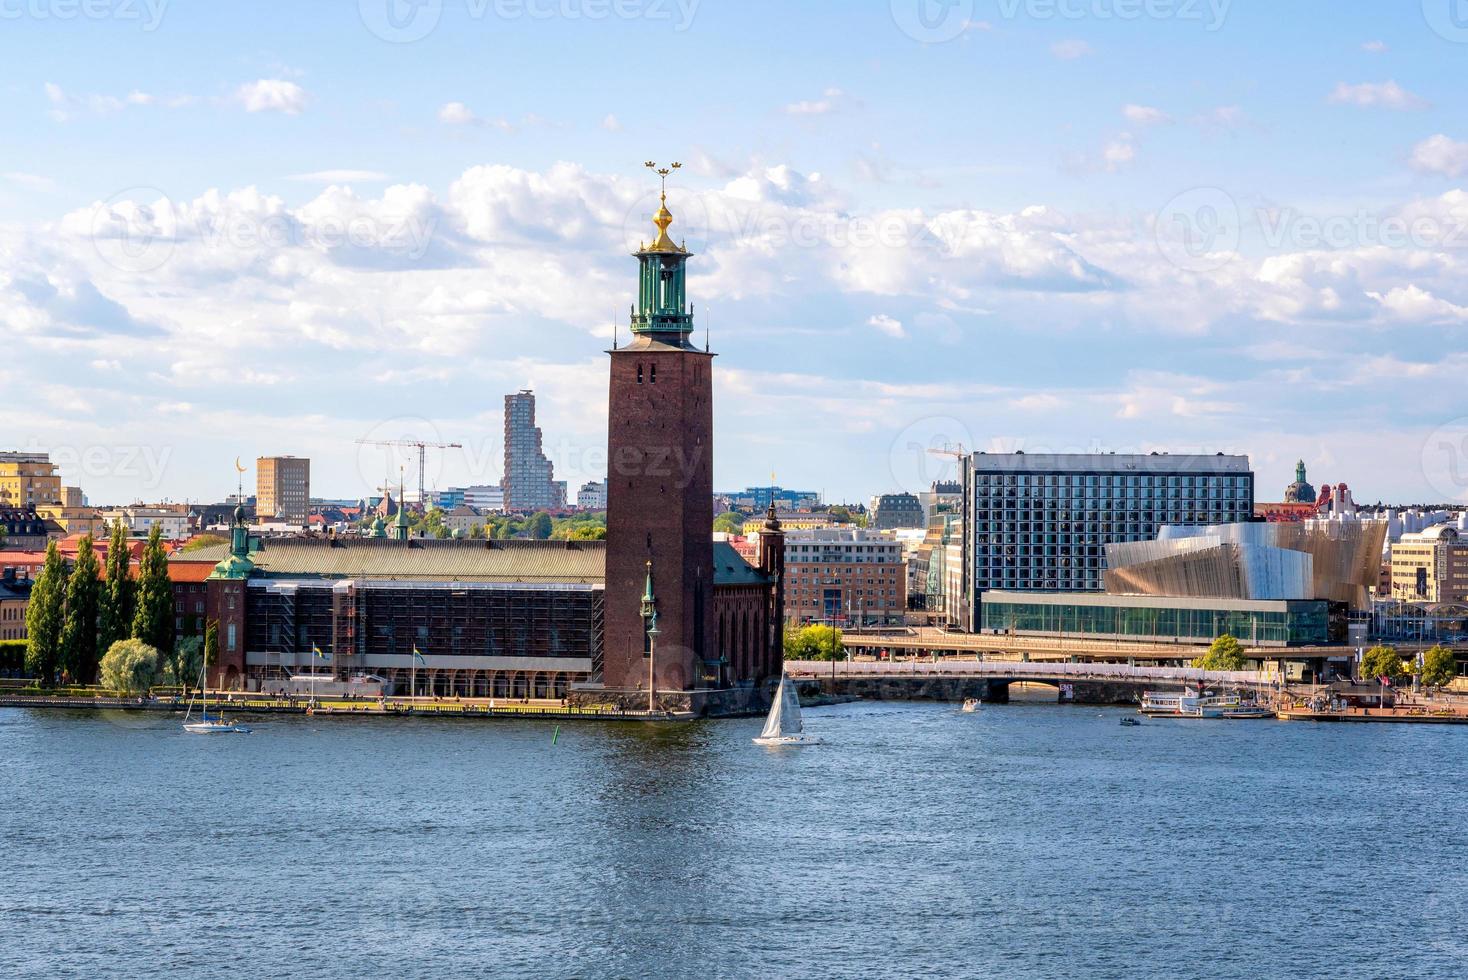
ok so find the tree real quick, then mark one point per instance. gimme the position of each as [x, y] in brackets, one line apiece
[539, 526]
[1225, 653]
[129, 667]
[815, 642]
[476, 531]
[1382, 661]
[181, 666]
[729, 522]
[79, 654]
[153, 620]
[201, 541]
[211, 643]
[44, 618]
[1439, 667]
[115, 612]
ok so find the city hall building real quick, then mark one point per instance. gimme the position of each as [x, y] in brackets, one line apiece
[596, 620]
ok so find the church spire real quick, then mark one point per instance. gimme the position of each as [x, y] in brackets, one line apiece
[662, 297]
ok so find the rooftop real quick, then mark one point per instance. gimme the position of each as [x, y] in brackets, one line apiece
[1165, 463]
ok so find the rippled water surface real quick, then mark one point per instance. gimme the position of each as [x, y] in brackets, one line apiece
[1024, 841]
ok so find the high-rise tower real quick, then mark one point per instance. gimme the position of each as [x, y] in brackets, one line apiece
[660, 481]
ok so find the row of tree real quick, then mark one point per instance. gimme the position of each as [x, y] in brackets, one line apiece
[74, 618]
[1439, 666]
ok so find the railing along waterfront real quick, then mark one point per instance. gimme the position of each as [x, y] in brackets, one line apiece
[1022, 669]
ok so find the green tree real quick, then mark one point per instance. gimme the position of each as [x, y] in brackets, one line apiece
[476, 531]
[815, 642]
[129, 667]
[1382, 661]
[1225, 653]
[181, 666]
[729, 522]
[79, 654]
[115, 614]
[211, 643]
[539, 526]
[12, 656]
[45, 618]
[1439, 667]
[153, 621]
[201, 541]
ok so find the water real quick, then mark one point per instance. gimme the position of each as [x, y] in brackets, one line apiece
[1024, 841]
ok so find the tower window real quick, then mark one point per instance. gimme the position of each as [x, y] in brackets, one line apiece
[639, 374]
[653, 372]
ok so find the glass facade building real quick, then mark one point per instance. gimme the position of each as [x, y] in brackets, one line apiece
[1041, 522]
[1162, 619]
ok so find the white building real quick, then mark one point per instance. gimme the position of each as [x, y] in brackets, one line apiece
[592, 496]
[485, 499]
[140, 520]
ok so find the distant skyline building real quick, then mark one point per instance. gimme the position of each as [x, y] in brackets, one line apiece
[758, 498]
[1041, 522]
[282, 489]
[1300, 492]
[28, 480]
[592, 495]
[897, 510]
[485, 498]
[529, 481]
[846, 576]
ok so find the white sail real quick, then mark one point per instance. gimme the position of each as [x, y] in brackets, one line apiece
[776, 717]
[790, 723]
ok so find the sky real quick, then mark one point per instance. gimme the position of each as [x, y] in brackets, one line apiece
[231, 229]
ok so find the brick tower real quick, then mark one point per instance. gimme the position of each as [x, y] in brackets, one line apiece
[660, 482]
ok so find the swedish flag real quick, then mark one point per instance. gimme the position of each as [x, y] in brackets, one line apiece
[319, 653]
[418, 657]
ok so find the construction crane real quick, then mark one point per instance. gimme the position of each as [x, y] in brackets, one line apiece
[422, 448]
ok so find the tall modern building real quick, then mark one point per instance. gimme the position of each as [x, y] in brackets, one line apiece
[529, 482]
[1041, 522]
[282, 489]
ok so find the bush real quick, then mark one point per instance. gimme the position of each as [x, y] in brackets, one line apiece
[815, 642]
[1439, 667]
[1224, 654]
[129, 667]
[12, 656]
[1379, 662]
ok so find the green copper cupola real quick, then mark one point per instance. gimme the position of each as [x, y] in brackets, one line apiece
[662, 291]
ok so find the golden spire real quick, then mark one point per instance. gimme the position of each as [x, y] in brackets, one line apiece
[663, 217]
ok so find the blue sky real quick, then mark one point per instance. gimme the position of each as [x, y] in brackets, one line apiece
[233, 228]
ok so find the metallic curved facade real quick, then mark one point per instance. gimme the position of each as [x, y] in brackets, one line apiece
[1334, 560]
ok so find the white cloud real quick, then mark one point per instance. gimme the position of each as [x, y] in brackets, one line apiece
[890, 326]
[611, 123]
[65, 106]
[340, 177]
[1144, 115]
[1118, 153]
[272, 95]
[1070, 50]
[1414, 305]
[1376, 95]
[831, 100]
[1374, 47]
[459, 114]
[34, 182]
[1441, 154]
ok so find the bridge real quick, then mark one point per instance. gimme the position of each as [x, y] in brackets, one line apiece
[928, 641]
[989, 680]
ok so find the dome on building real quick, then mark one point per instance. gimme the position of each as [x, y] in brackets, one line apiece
[1300, 492]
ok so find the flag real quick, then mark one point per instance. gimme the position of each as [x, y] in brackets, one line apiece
[418, 657]
[318, 653]
[1386, 681]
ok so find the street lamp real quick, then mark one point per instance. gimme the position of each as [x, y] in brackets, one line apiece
[649, 610]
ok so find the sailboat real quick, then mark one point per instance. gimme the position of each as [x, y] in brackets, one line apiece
[783, 726]
[206, 725]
